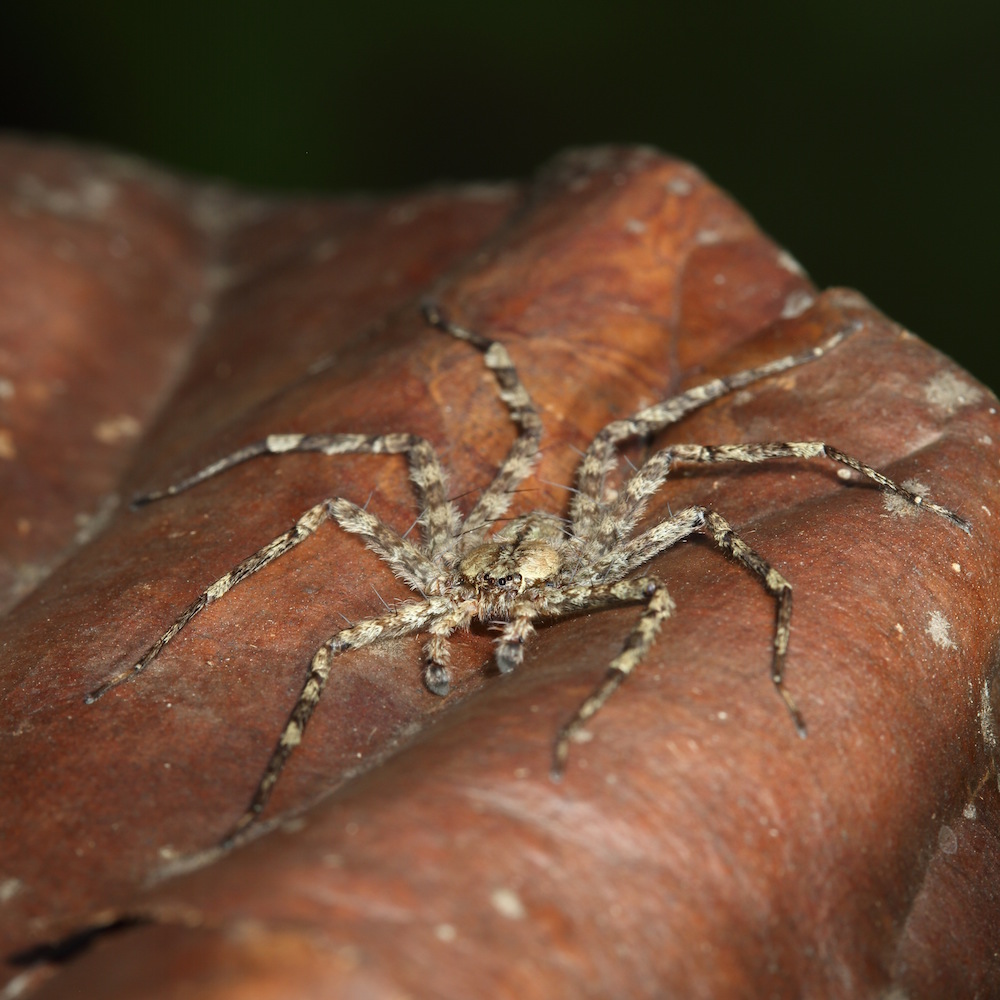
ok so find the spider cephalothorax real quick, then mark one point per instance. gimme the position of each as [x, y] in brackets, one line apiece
[498, 573]
[540, 566]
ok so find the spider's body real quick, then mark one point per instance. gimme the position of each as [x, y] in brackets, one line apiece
[495, 575]
[538, 566]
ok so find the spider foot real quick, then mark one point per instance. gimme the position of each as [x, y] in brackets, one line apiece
[798, 720]
[437, 678]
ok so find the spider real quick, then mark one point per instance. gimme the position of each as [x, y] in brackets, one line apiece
[538, 566]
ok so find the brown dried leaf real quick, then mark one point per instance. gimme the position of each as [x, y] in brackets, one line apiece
[696, 846]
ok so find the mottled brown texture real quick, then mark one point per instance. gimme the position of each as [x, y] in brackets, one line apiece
[696, 846]
[89, 246]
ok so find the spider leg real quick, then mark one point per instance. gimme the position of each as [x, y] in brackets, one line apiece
[619, 559]
[438, 517]
[779, 588]
[618, 521]
[408, 618]
[625, 558]
[661, 536]
[516, 632]
[523, 454]
[659, 607]
[586, 509]
[437, 652]
[305, 526]
[640, 550]
[405, 559]
[568, 599]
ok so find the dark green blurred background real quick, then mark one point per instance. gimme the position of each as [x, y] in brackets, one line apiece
[862, 135]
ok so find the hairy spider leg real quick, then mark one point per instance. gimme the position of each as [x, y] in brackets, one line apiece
[406, 561]
[779, 588]
[408, 618]
[299, 532]
[438, 517]
[640, 550]
[635, 493]
[566, 599]
[523, 454]
[440, 522]
[591, 521]
[620, 559]
[659, 607]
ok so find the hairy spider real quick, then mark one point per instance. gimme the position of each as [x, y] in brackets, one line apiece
[537, 566]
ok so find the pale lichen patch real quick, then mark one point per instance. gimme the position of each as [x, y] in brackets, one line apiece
[947, 392]
[987, 722]
[20, 985]
[27, 576]
[939, 629]
[508, 904]
[788, 263]
[680, 186]
[796, 303]
[947, 840]
[898, 505]
[9, 888]
[116, 429]
[90, 198]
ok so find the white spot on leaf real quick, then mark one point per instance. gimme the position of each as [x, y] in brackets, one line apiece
[948, 393]
[987, 724]
[115, 429]
[90, 198]
[939, 629]
[899, 506]
[796, 304]
[508, 904]
[789, 263]
[9, 888]
[947, 841]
